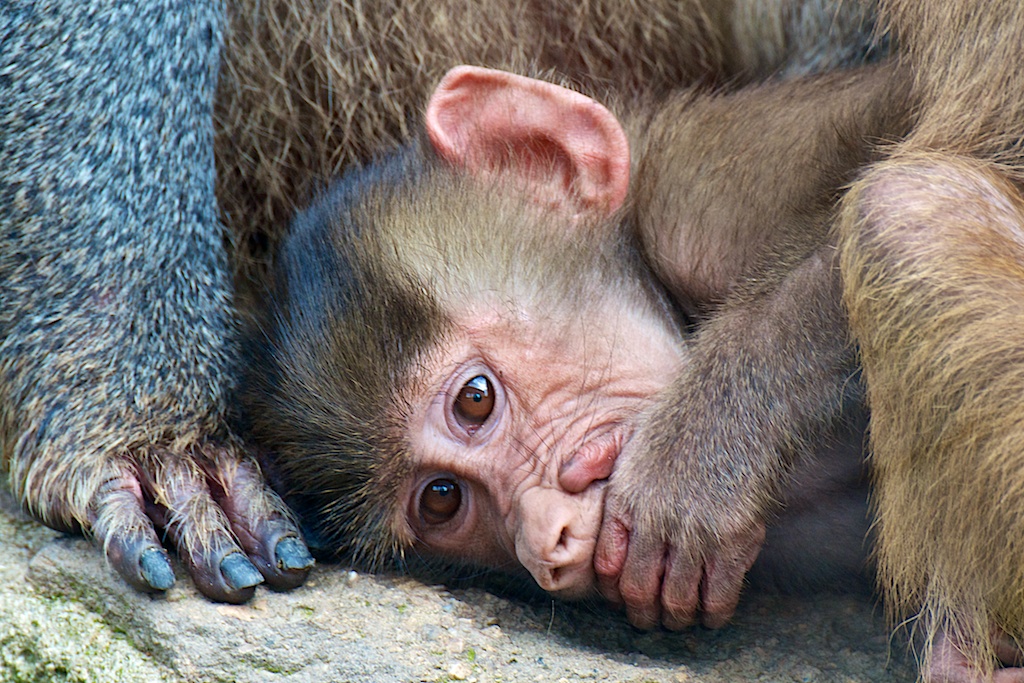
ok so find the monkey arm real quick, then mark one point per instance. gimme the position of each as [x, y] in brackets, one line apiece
[117, 348]
[769, 373]
[735, 197]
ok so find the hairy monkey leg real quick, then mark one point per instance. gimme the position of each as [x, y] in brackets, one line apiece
[932, 259]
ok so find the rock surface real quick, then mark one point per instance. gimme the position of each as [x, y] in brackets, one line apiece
[65, 616]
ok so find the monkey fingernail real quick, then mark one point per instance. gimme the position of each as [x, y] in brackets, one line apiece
[292, 554]
[239, 572]
[156, 569]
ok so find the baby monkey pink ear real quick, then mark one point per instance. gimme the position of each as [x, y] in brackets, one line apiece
[567, 149]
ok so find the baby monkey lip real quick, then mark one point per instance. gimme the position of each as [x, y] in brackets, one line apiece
[594, 461]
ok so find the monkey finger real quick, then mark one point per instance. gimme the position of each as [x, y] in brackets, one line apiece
[610, 557]
[180, 502]
[641, 580]
[261, 522]
[680, 591]
[720, 593]
[724, 573]
[118, 522]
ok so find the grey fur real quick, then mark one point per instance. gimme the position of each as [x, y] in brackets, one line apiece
[115, 294]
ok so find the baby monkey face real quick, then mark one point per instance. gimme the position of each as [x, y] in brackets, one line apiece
[520, 425]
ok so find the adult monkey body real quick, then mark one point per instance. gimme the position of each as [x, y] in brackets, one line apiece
[118, 342]
[674, 545]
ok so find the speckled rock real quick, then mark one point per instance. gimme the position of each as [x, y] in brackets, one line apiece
[65, 616]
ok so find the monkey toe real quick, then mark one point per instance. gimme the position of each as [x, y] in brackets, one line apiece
[279, 554]
[292, 554]
[239, 573]
[259, 520]
[120, 525]
[141, 562]
[181, 499]
[155, 568]
[949, 664]
[230, 530]
[224, 574]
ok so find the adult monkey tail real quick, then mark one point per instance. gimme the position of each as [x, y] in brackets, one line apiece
[932, 259]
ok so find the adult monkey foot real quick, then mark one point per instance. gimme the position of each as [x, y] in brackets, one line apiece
[210, 502]
[118, 342]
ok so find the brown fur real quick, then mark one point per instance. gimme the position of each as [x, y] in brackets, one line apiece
[709, 164]
[309, 87]
[735, 200]
[771, 363]
[933, 265]
[928, 244]
[938, 243]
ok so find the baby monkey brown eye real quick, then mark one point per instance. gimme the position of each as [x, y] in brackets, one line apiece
[474, 403]
[440, 501]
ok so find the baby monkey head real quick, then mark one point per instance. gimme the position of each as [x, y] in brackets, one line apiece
[463, 338]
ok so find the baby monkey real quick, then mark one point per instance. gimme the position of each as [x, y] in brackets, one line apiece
[601, 348]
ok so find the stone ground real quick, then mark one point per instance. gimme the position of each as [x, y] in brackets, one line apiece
[65, 616]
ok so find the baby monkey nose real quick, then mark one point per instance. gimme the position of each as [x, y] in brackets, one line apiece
[556, 538]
